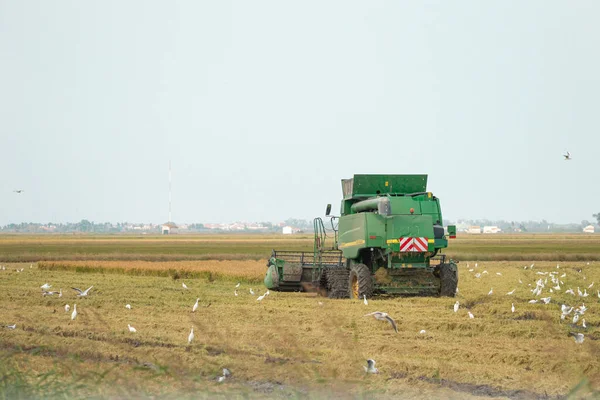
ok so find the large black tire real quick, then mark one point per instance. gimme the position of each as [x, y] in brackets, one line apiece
[337, 283]
[360, 282]
[449, 279]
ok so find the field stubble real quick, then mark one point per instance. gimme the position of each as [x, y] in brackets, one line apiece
[288, 344]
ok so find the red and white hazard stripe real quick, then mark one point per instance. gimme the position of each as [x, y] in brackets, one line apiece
[417, 244]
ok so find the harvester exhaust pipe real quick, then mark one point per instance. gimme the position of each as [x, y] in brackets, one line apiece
[381, 204]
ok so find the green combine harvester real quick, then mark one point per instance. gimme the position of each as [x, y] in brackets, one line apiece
[387, 240]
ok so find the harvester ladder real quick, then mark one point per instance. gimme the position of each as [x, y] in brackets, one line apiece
[318, 247]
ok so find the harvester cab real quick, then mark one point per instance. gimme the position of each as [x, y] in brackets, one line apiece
[387, 239]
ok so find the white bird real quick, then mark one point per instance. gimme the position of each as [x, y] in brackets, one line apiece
[520, 281]
[45, 286]
[592, 285]
[13, 326]
[261, 297]
[475, 265]
[585, 293]
[226, 373]
[128, 306]
[491, 291]
[511, 292]
[67, 307]
[382, 316]
[570, 291]
[531, 266]
[512, 308]
[456, 306]
[235, 292]
[567, 156]
[471, 270]
[238, 285]
[578, 337]
[74, 313]
[583, 324]
[195, 305]
[575, 318]
[82, 293]
[478, 275]
[365, 300]
[267, 292]
[599, 294]
[484, 272]
[422, 331]
[370, 368]
[532, 301]
[220, 379]
[191, 336]
[50, 293]
[546, 300]
[320, 303]
[251, 291]
[471, 316]
[60, 293]
[184, 285]
[131, 328]
[563, 275]
[499, 273]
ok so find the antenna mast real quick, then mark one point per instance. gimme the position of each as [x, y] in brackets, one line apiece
[170, 220]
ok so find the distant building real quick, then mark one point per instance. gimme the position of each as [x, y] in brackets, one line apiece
[474, 229]
[491, 229]
[588, 229]
[287, 230]
[168, 228]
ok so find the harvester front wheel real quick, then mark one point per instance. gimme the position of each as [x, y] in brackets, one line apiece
[360, 282]
[449, 279]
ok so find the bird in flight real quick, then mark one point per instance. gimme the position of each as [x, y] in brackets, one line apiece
[18, 191]
[370, 368]
[382, 316]
[82, 293]
[567, 156]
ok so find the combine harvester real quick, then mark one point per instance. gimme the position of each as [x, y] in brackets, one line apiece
[387, 240]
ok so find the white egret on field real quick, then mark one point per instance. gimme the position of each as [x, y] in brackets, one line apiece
[191, 336]
[456, 306]
[131, 328]
[235, 292]
[67, 307]
[575, 318]
[491, 291]
[195, 305]
[251, 291]
[511, 292]
[513, 307]
[365, 300]
[238, 285]
[546, 300]
[261, 297]
[422, 331]
[583, 324]
[532, 301]
[184, 285]
[370, 367]
[128, 306]
[74, 313]
[382, 316]
[45, 286]
[471, 316]
[13, 326]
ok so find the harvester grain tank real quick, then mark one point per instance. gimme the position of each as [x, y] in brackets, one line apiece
[387, 239]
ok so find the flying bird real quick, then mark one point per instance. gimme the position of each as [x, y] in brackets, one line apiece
[131, 328]
[19, 191]
[74, 313]
[365, 300]
[578, 337]
[567, 156]
[82, 293]
[370, 367]
[195, 305]
[382, 316]
[191, 336]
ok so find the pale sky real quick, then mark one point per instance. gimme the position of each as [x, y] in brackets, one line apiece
[264, 106]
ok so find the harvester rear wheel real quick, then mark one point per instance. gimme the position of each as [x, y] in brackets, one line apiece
[449, 280]
[360, 282]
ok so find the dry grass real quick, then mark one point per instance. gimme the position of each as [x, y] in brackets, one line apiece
[290, 345]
